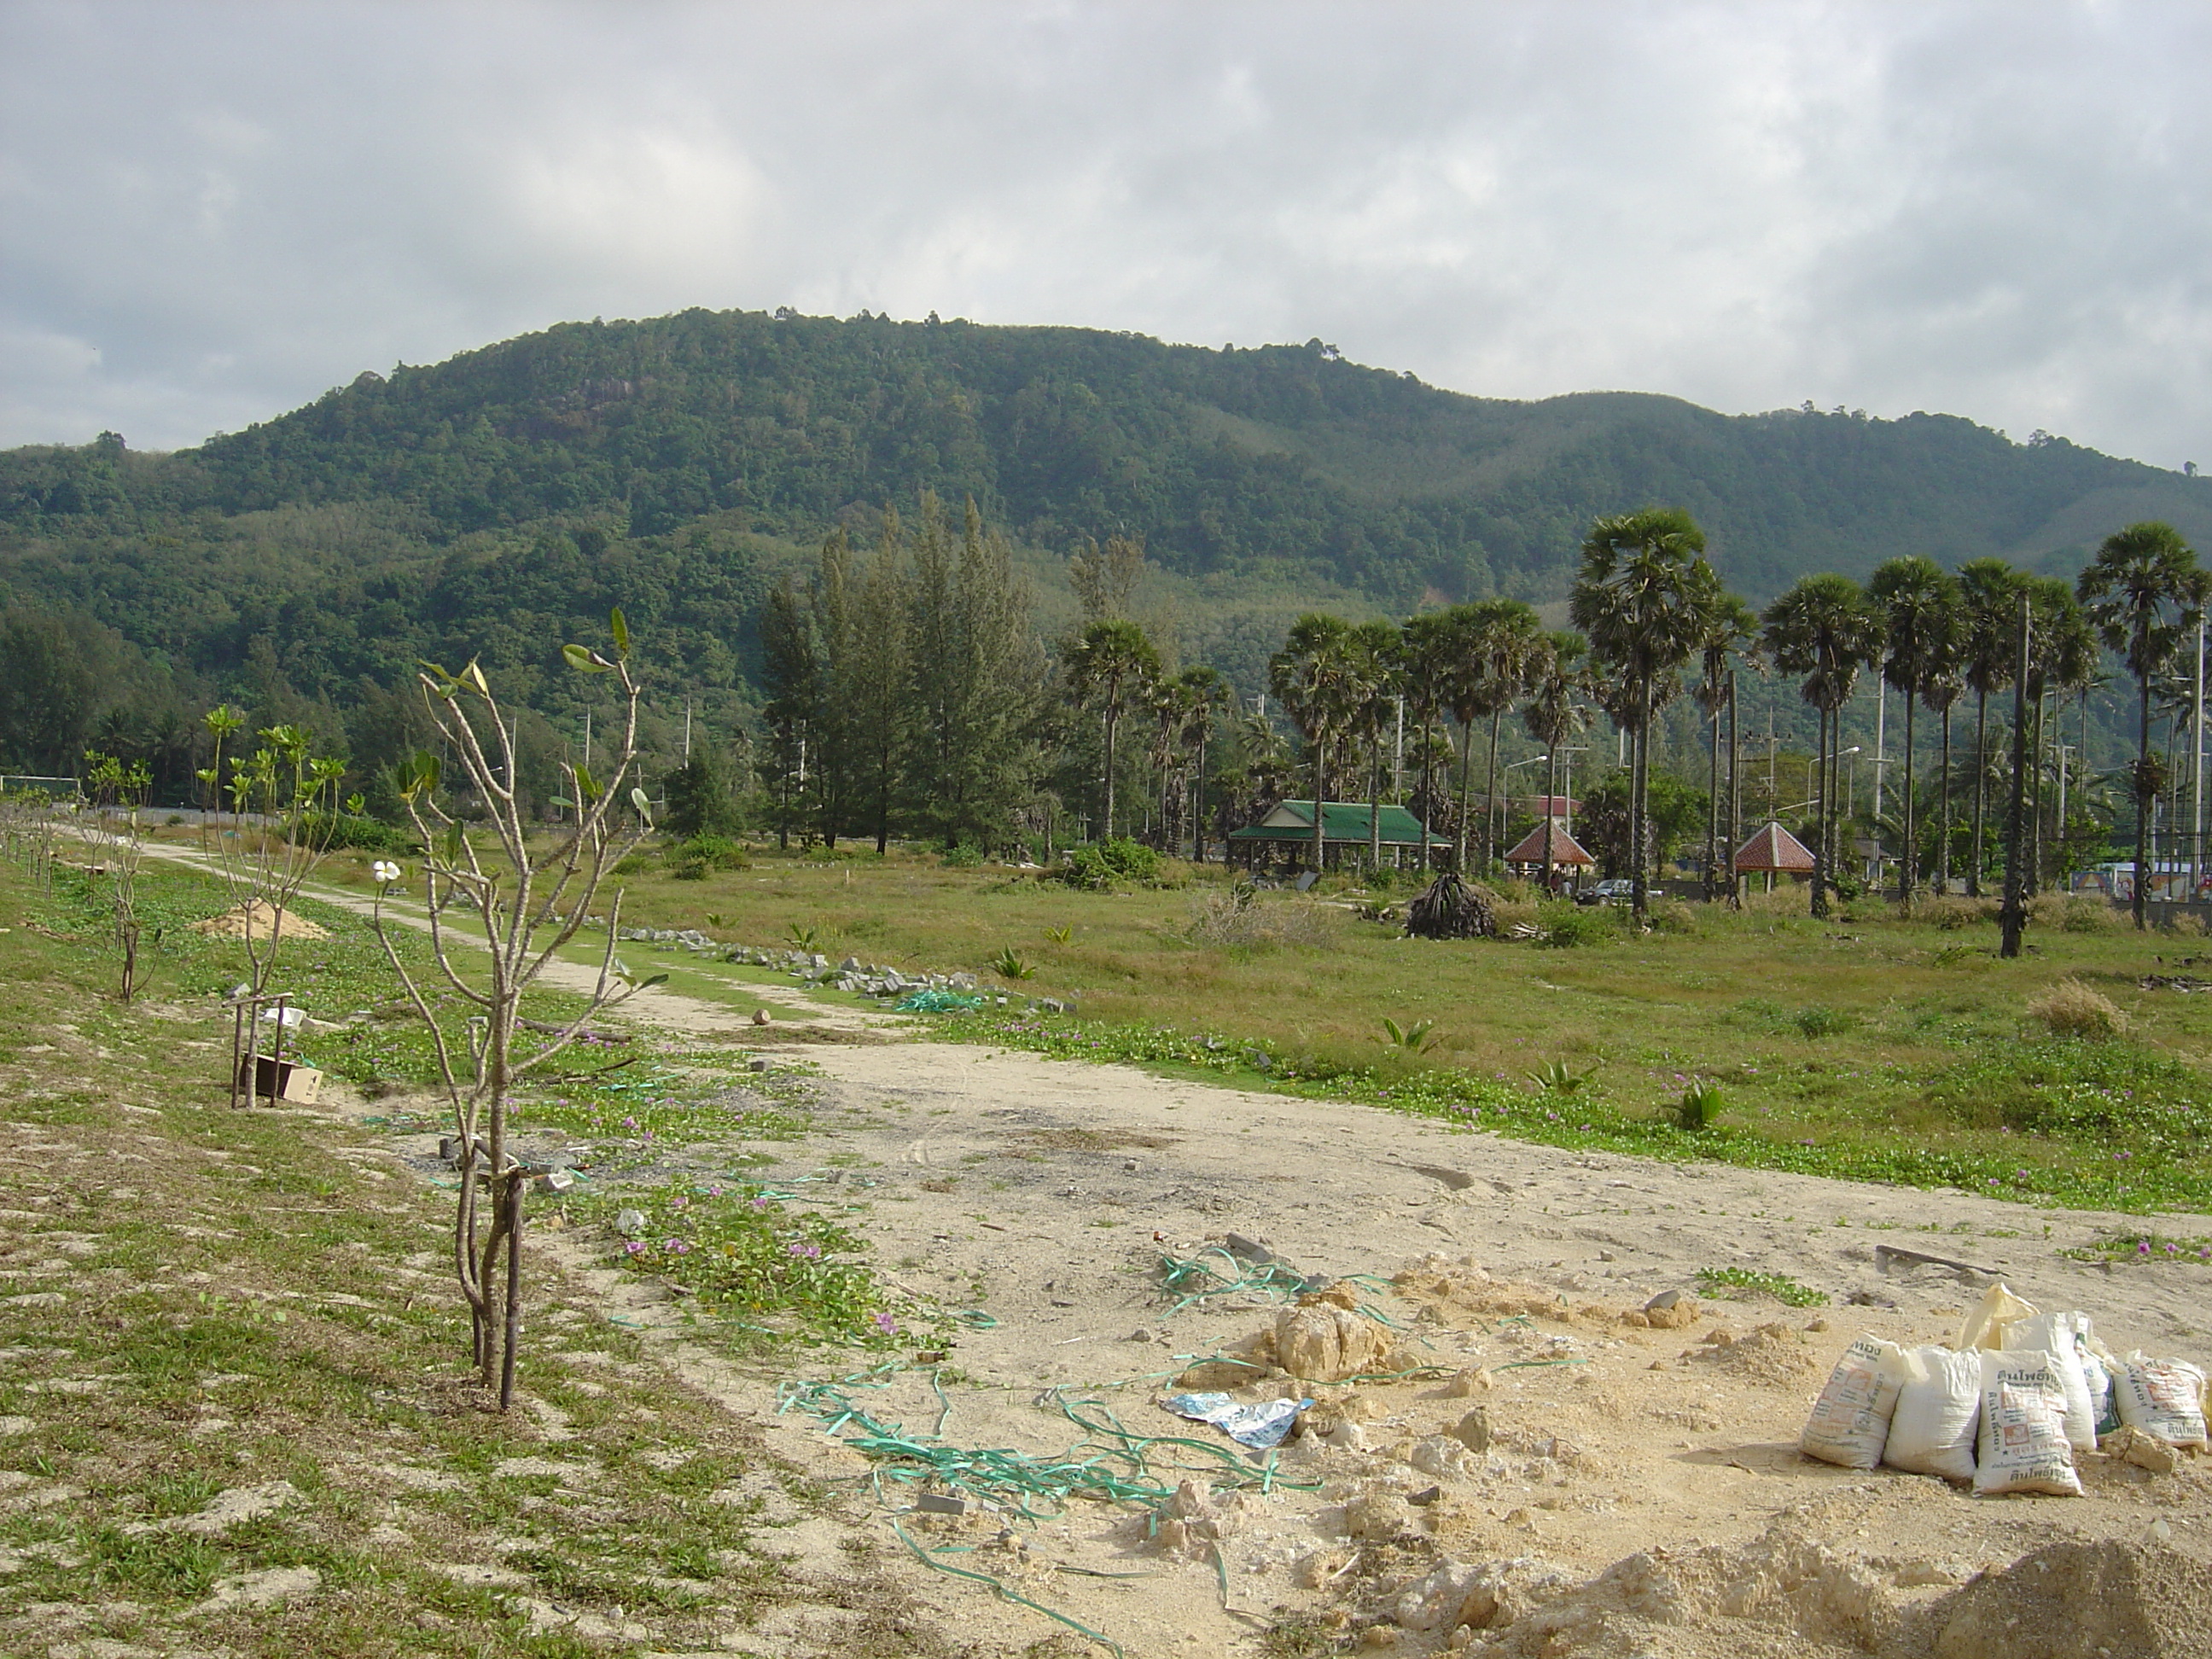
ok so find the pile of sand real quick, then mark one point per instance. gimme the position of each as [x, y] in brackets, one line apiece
[257, 919]
[2064, 1601]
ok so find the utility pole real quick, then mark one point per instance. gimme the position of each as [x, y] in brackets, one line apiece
[1735, 805]
[687, 730]
[2012, 914]
[588, 739]
[1398, 754]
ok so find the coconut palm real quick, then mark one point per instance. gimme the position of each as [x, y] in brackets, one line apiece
[1825, 629]
[1989, 591]
[1919, 603]
[2062, 658]
[1315, 676]
[1554, 714]
[1113, 664]
[2143, 592]
[1644, 586]
[1725, 628]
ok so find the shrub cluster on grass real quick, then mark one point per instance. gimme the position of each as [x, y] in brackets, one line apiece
[1097, 867]
[690, 859]
[2071, 1009]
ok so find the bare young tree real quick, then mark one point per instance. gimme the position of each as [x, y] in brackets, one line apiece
[529, 905]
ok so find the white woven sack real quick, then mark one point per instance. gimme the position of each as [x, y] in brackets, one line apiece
[2060, 1335]
[1851, 1419]
[2164, 1398]
[1983, 1327]
[1932, 1430]
[2023, 1445]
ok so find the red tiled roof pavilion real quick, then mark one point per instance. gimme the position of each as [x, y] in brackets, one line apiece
[1772, 847]
[1565, 849]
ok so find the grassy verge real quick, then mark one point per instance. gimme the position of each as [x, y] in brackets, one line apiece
[235, 1413]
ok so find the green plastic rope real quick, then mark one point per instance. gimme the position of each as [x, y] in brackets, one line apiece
[929, 1560]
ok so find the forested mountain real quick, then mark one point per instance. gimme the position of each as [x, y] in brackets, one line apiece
[497, 502]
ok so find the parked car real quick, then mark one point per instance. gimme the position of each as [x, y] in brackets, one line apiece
[1614, 890]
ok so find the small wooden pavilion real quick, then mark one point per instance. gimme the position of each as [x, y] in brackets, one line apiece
[1288, 831]
[1773, 851]
[1567, 852]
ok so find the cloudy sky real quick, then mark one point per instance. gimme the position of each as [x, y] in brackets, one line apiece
[210, 213]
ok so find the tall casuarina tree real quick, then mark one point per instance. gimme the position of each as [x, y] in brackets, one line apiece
[1553, 714]
[1113, 665]
[1919, 605]
[1825, 629]
[1989, 590]
[2144, 591]
[1504, 638]
[1427, 648]
[1377, 656]
[1313, 676]
[1644, 586]
[1724, 628]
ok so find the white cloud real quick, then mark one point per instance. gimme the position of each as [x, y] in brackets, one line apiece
[1982, 207]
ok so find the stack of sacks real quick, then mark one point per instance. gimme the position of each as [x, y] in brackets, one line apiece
[2007, 1408]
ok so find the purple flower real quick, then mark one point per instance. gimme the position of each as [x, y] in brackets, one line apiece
[811, 1252]
[2143, 1247]
[675, 1246]
[635, 1246]
[760, 1204]
[886, 1324]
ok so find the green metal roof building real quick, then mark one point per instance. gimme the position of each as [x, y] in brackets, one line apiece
[1290, 829]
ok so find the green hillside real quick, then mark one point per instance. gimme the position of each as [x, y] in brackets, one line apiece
[493, 502]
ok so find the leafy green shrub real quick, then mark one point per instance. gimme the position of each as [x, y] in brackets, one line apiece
[1701, 1106]
[1007, 965]
[1668, 916]
[1817, 1022]
[1570, 926]
[340, 830]
[965, 856]
[1096, 867]
[692, 859]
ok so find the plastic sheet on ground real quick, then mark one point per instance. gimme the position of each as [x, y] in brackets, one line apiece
[1261, 1426]
[938, 1002]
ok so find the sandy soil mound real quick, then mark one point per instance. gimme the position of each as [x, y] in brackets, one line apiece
[2075, 1601]
[259, 920]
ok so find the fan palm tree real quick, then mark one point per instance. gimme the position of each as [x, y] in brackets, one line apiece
[2143, 592]
[1644, 586]
[1314, 676]
[1825, 629]
[1554, 714]
[1988, 592]
[2062, 658]
[1727, 626]
[1113, 664]
[1919, 603]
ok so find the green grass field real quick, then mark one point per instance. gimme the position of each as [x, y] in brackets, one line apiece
[1863, 1045]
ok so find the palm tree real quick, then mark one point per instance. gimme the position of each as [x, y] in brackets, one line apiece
[1115, 664]
[2144, 591]
[1826, 629]
[1644, 586]
[1941, 690]
[1313, 676]
[1377, 650]
[1553, 714]
[1989, 591]
[1919, 602]
[1726, 626]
